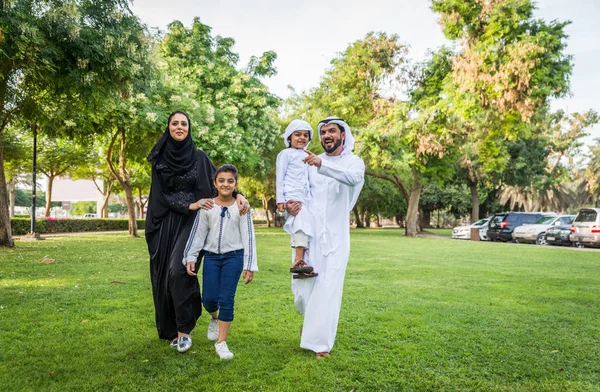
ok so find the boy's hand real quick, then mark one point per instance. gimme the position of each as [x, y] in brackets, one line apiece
[191, 267]
[280, 207]
[248, 276]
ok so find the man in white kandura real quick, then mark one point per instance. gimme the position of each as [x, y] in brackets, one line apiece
[337, 176]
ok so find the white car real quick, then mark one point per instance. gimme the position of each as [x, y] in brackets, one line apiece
[464, 232]
[536, 232]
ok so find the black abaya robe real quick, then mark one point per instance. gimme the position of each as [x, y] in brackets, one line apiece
[177, 300]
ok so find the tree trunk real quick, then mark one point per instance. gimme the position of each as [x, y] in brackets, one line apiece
[49, 196]
[425, 218]
[367, 219]
[378, 221]
[104, 207]
[11, 193]
[359, 223]
[265, 205]
[412, 212]
[399, 220]
[123, 177]
[474, 201]
[5, 229]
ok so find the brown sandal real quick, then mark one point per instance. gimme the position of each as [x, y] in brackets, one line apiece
[304, 275]
[322, 355]
[301, 266]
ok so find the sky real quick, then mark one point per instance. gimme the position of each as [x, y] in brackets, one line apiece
[308, 34]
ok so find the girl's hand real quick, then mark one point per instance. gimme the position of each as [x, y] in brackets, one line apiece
[204, 204]
[242, 204]
[191, 267]
[248, 276]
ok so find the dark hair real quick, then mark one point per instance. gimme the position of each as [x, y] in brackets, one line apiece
[227, 168]
[289, 139]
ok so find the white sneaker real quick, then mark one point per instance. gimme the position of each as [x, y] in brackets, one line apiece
[213, 330]
[223, 351]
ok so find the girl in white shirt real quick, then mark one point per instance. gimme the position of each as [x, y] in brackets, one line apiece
[228, 241]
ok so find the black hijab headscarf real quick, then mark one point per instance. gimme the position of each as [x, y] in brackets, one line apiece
[178, 157]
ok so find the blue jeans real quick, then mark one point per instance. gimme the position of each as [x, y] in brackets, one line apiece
[220, 276]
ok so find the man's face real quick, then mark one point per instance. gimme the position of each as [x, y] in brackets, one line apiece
[332, 139]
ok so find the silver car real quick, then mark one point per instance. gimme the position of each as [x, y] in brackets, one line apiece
[464, 232]
[536, 232]
[586, 227]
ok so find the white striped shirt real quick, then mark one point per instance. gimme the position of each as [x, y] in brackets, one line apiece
[221, 230]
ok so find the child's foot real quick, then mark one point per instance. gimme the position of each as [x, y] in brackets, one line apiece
[223, 351]
[301, 266]
[305, 275]
[213, 330]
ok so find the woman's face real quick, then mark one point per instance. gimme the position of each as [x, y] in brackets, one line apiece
[179, 127]
[225, 183]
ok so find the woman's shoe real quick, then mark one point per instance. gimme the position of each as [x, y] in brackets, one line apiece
[184, 343]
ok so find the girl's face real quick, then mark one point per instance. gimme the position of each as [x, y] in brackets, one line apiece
[299, 139]
[225, 183]
[179, 127]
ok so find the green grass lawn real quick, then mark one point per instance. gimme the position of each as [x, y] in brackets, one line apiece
[418, 314]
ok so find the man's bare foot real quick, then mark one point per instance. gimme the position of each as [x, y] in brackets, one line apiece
[322, 355]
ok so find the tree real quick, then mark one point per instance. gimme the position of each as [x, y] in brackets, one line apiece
[592, 175]
[509, 65]
[17, 153]
[58, 158]
[232, 112]
[417, 137]
[55, 55]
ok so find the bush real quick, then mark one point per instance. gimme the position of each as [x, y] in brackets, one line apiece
[21, 226]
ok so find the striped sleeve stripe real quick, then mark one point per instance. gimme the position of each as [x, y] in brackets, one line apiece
[250, 242]
[192, 235]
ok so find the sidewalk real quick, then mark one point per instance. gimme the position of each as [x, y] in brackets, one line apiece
[50, 235]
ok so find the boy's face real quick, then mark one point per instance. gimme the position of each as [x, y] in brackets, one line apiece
[225, 183]
[299, 139]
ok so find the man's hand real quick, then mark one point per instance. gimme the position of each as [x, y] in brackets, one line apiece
[248, 276]
[293, 207]
[280, 207]
[191, 267]
[312, 159]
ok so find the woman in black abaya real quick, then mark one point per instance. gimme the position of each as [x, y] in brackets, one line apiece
[181, 185]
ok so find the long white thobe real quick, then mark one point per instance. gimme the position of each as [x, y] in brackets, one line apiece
[335, 186]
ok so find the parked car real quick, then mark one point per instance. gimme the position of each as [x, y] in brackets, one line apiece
[536, 232]
[586, 227]
[560, 235]
[501, 226]
[464, 232]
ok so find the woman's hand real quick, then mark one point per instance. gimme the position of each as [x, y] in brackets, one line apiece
[293, 207]
[191, 267]
[242, 204]
[204, 204]
[247, 275]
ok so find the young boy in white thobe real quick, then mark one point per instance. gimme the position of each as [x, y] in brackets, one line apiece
[293, 184]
